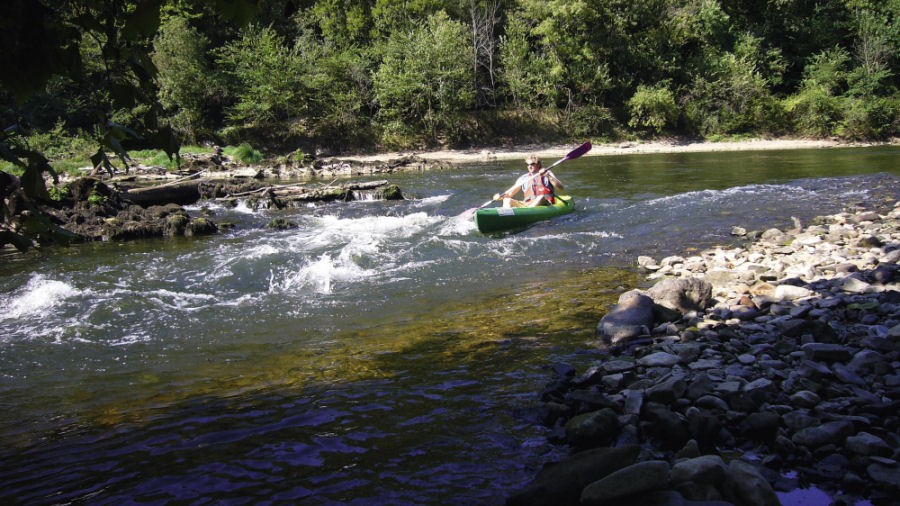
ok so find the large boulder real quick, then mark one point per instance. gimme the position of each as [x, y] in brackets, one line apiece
[634, 479]
[684, 295]
[745, 486]
[630, 318]
[562, 483]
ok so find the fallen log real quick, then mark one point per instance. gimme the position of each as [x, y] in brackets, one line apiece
[281, 196]
[185, 192]
[181, 193]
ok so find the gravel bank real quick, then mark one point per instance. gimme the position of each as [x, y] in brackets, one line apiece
[742, 373]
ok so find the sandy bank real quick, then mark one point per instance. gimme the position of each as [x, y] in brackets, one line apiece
[621, 148]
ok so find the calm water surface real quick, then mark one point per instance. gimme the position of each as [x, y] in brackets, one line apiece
[379, 353]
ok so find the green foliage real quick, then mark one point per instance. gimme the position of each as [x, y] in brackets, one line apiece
[96, 198]
[91, 61]
[653, 108]
[735, 94]
[591, 121]
[391, 17]
[156, 158]
[244, 153]
[265, 77]
[876, 118]
[531, 78]
[816, 109]
[425, 80]
[59, 192]
[342, 22]
[180, 52]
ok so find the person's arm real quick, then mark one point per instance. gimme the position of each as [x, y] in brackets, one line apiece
[557, 184]
[514, 189]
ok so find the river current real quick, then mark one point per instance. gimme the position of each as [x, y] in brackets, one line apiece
[378, 353]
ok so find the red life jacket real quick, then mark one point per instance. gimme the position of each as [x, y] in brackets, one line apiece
[535, 186]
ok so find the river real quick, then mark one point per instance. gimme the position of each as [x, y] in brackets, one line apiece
[378, 353]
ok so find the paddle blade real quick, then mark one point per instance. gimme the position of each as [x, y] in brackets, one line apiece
[580, 150]
[575, 153]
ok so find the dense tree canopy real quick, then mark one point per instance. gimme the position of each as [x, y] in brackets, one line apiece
[370, 74]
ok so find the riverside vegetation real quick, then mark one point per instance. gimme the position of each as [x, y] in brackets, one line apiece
[335, 76]
[741, 372]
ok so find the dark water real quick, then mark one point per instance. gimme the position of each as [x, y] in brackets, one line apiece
[380, 353]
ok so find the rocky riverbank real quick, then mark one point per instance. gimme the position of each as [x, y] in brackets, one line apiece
[742, 373]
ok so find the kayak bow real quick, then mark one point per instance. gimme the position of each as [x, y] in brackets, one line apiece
[498, 219]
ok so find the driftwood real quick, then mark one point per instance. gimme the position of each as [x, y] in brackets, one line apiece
[185, 192]
[294, 195]
[181, 193]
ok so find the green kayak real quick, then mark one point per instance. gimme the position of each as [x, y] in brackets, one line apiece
[498, 219]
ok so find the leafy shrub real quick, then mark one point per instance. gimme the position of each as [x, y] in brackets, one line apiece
[653, 108]
[817, 106]
[590, 121]
[814, 111]
[425, 79]
[265, 76]
[872, 118]
[179, 53]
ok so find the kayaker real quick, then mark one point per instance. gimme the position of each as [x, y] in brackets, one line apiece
[539, 186]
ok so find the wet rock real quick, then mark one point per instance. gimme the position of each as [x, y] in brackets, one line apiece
[868, 444]
[887, 476]
[597, 428]
[682, 295]
[666, 392]
[563, 482]
[806, 399]
[281, 224]
[790, 292]
[704, 469]
[630, 318]
[761, 426]
[665, 426]
[659, 359]
[807, 377]
[827, 352]
[826, 433]
[745, 486]
[634, 479]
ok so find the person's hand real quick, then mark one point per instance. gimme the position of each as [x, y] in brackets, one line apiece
[496, 196]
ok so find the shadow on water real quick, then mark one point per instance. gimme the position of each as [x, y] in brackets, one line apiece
[430, 412]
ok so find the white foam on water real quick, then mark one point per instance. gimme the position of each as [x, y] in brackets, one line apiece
[737, 192]
[432, 201]
[36, 297]
[344, 250]
[461, 224]
[182, 301]
[375, 227]
[318, 275]
[602, 234]
[242, 208]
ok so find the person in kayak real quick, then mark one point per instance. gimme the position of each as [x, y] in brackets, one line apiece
[539, 186]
